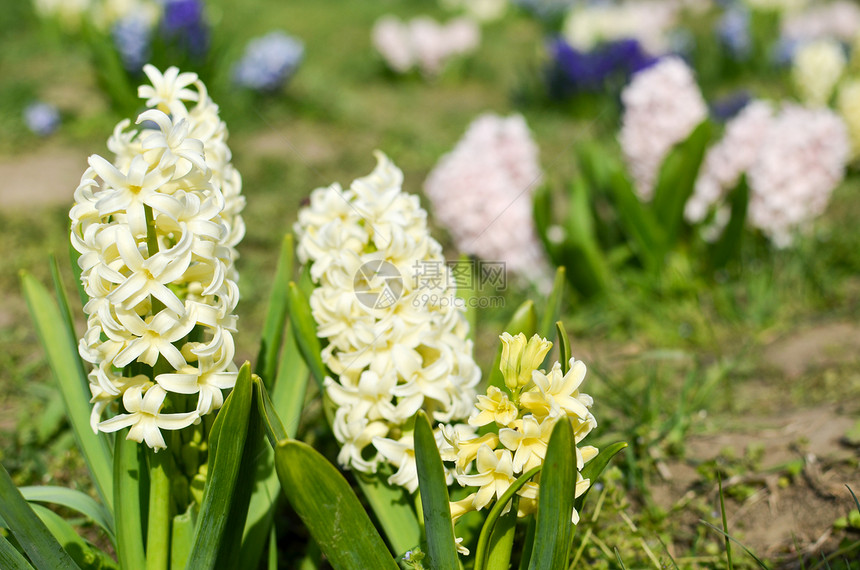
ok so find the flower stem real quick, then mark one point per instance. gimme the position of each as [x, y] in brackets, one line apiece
[152, 249]
[502, 541]
[158, 528]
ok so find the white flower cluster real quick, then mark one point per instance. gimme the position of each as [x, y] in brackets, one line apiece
[801, 160]
[156, 230]
[793, 161]
[518, 420]
[662, 106]
[817, 67]
[839, 20]
[649, 22]
[391, 353]
[848, 105]
[423, 42]
[481, 191]
[726, 161]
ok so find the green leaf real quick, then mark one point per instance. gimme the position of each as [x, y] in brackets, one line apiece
[288, 394]
[481, 551]
[502, 540]
[130, 479]
[595, 467]
[563, 347]
[182, 537]
[254, 468]
[554, 529]
[10, 558]
[276, 315]
[589, 270]
[330, 510]
[226, 447]
[524, 321]
[81, 551]
[305, 331]
[75, 500]
[63, 301]
[637, 222]
[61, 349]
[434, 497]
[552, 308]
[393, 511]
[676, 181]
[28, 529]
[729, 245]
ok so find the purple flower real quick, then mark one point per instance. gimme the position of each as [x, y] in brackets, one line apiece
[607, 66]
[41, 118]
[269, 62]
[183, 23]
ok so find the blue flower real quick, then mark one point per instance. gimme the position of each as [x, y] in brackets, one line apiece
[727, 107]
[733, 29]
[132, 39]
[269, 62]
[41, 118]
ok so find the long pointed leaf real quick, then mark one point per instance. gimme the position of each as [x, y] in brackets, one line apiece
[79, 550]
[563, 347]
[394, 513]
[31, 533]
[61, 349]
[276, 315]
[554, 529]
[74, 500]
[329, 508]
[434, 498]
[595, 467]
[10, 558]
[589, 270]
[729, 245]
[128, 482]
[288, 396]
[494, 515]
[227, 443]
[252, 472]
[305, 331]
[676, 180]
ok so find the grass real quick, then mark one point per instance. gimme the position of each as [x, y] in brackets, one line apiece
[669, 359]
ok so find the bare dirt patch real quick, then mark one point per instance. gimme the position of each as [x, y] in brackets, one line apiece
[46, 177]
[792, 469]
[819, 346]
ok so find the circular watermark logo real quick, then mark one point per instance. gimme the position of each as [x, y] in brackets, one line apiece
[378, 284]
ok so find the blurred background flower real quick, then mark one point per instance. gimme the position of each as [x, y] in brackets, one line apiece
[269, 62]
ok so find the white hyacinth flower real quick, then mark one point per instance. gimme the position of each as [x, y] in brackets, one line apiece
[662, 106]
[481, 191]
[156, 230]
[793, 158]
[391, 353]
[423, 43]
